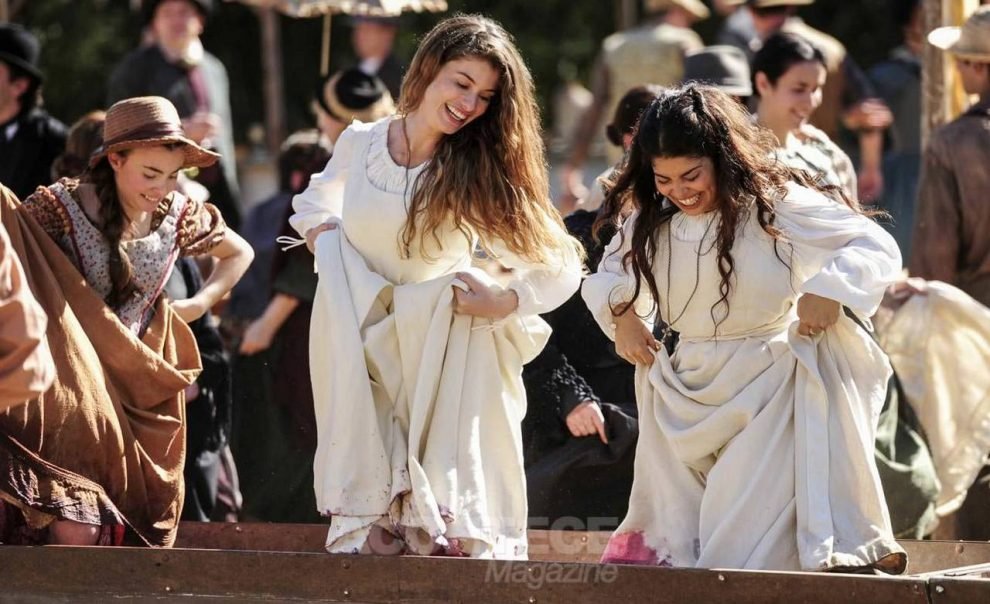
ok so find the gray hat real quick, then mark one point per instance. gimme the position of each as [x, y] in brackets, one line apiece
[971, 41]
[724, 67]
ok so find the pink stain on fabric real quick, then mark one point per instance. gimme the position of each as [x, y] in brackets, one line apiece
[631, 548]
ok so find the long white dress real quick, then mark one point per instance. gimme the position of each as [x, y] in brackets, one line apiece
[418, 409]
[756, 446]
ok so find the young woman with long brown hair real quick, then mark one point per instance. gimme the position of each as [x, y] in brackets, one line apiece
[416, 372]
[756, 434]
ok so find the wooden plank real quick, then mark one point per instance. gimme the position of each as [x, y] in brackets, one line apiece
[933, 556]
[953, 590]
[26, 573]
[261, 536]
[547, 546]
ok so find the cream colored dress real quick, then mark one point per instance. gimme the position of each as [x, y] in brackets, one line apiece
[418, 409]
[756, 445]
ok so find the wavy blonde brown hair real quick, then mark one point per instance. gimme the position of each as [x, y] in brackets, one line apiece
[491, 175]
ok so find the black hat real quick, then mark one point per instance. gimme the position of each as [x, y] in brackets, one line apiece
[205, 8]
[19, 48]
[724, 67]
[352, 94]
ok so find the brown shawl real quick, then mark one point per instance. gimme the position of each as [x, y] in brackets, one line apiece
[106, 444]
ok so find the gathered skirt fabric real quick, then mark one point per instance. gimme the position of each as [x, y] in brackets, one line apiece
[418, 412]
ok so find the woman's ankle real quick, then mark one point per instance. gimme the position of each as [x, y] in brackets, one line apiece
[69, 532]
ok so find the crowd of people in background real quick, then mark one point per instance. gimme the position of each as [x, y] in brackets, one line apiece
[168, 352]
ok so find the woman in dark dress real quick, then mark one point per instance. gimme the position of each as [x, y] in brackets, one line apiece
[579, 434]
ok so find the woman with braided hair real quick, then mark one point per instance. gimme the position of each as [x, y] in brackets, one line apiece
[756, 433]
[98, 458]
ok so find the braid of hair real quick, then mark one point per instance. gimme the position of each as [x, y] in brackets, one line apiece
[112, 223]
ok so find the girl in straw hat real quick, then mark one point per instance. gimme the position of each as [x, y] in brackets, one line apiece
[417, 378]
[123, 223]
[98, 458]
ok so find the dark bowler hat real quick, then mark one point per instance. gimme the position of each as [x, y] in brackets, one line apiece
[354, 95]
[724, 67]
[205, 8]
[19, 47]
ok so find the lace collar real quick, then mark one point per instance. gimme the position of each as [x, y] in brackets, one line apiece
[383, 172]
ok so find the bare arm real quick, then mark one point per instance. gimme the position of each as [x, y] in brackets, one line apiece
[573, 188]
[259, 334]
[233, 255]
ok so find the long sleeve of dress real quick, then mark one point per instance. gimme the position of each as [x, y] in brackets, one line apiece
[554, 381]
[613, 284]
[542, 287]
[837, 253]
[324, 197]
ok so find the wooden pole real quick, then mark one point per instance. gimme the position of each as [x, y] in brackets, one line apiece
[932, 75]
[626, 14]
[942, 95]
[325, 48]
[274, 90]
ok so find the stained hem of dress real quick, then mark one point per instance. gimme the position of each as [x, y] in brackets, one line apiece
[80, 500]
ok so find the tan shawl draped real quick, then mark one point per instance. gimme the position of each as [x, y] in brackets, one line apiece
[106, 443]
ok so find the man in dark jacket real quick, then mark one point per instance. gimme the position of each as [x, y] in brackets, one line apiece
[30, 139]
[177, 67]
[373, 40]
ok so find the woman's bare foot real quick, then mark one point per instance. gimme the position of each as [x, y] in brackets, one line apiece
[68, 532]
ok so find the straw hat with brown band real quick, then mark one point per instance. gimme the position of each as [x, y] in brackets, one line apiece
[971, 41]
[148, 121]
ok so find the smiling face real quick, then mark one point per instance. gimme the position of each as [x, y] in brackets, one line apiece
[144, 176]
[688, 182]
[460, 93]
[788, 103]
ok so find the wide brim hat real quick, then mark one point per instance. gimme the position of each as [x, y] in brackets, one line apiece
[695, 7]
[352, 94]
[149, 121]
[19, 47]
[724, 67]
[971, 41]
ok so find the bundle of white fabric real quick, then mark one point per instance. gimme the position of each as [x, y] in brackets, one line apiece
[432, 440]
[940, 345]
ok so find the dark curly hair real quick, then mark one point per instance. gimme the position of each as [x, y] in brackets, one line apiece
[700, 121]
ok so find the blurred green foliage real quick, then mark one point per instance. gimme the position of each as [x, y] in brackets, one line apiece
[84, 39]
